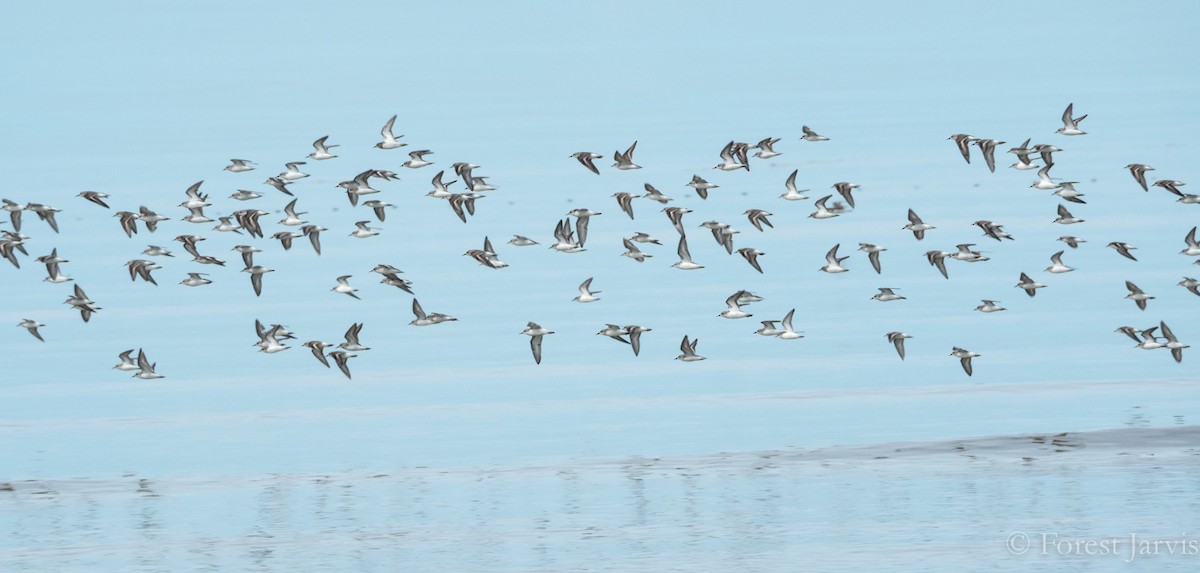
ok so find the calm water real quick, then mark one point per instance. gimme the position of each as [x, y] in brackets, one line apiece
[450, 450]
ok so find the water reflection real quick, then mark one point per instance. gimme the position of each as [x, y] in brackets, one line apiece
[933, 506]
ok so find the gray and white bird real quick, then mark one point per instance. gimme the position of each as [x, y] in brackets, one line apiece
[588, 160]
[1056, 264]
[1123, 249]
[701, 186]
[633, 252]
[416, 159]
[625, 200]
[810, 135]
[897, 339]
[344, 287]
[389, 140]
[751, 255]
[423, 319]
[964, 356]
[1071, 124]
[1138, 171]
[535, 333]
[321, 150]
[585, 292]
[689, 351]
[872, 252]
[1137, 295]
[1029, 285]
[916, 225]
[793, 194]
[624, 161]
[833, 263]
[32, 327]
[887, 294]
[989, 306]
[240, 165]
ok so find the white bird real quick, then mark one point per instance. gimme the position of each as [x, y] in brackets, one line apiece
[872, 255]
[195, 279]
[685, 257]
[734, 310]
[145, 368]
[389, 140]
[964, 357]
[239, 165]
[293, 172]
[1056, 264]
[689, 351]
[1138, 171]
[810, 135]
[625, 201]
[766, 148]
[655, 195]
[963, 141]
[416, 159]
[1029, 285]
[341, 357]
[1044, 181]
[127, 364]
[1071, 124]
[701, 186]
[897, 340]
[352, 342]
[633, 252]
[1065, 217]
[363, 231]
[1191, 284]
[822, 211]
[1136, 295]
[32, 327]
[588, 160]
[95, 197]
[256, 277]
[644, 238]
[244, 195]
[423, 319]
[886, 295]
[1072, 242]
[535, 333]
[789, 333]
[1173, 343]
[624, 161]
[321, 150]
[730, 160]
[1193, 248]
[615, 332]
[1023, 162]
[833, 264]
[585, 294]
[1123, 249]
[318, 349]
[769, 329]
[293, 218]
[988, 148]
[989, 306]
[342, 287]
[793, 194]
[521, 241]
[635, 337]
[751, 255]
[1067, 191]
[916, 225]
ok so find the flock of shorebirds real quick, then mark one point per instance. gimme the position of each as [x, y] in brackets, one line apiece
[571, 237]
